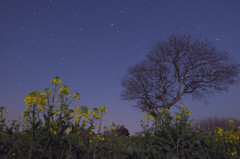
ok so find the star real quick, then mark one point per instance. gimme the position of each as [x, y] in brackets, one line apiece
[61, 61]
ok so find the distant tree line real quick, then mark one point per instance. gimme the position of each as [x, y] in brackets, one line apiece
[208, 125]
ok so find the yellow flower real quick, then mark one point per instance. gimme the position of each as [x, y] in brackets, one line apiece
[27, 100]
[76, 115]
[234, 152]
[13, 154]
[218, 131]
[53, 131]
[43, 101]
[76, 95]
[35, 100]
[103, 108]
[77, 119]
[52, 82]
[64, 90]
[184, 106]
[98, 117]
[40, 109]
[177, 116]
[29, 107]
[43, 93]
[57, 81]
[230, 121]
[84, 122]
[149, 117]
[77, 109]
[198, 126]
[69, 130]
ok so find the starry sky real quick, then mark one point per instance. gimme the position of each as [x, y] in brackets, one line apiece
[90, 44]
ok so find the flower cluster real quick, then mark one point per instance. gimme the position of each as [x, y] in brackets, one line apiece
[53, 105]
[95, 138]
[182, 115]
[3, 111]
[56, 81]
[230, 138]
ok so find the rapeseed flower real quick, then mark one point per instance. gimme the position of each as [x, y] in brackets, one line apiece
[76, 95]
[69, 130]
[57, 81]
[40, 109]
[27, 100]
[64, 90]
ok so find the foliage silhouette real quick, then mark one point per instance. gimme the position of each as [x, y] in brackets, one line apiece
[179, 66]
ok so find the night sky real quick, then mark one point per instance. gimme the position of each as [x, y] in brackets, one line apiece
[90, 44]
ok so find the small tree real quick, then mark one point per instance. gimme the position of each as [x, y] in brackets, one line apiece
[180, 66]
[119, 130]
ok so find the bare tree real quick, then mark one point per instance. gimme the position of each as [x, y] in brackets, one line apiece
[180, 66]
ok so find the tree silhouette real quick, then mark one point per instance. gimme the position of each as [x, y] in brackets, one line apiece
[120, 130]
[179, 66]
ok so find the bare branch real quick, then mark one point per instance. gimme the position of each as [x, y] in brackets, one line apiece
[180, 66]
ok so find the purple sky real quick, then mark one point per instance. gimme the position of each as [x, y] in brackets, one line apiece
[91, 43]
